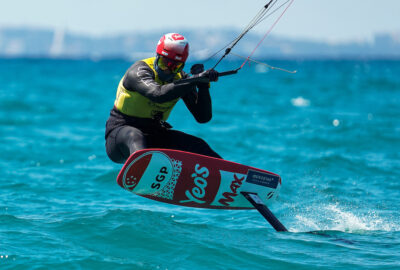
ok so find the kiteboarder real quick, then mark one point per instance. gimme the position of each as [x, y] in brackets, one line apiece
[145, 97]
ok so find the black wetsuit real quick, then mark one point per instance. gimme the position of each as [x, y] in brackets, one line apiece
[125, 134]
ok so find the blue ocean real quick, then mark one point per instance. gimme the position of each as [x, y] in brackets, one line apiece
[331, 130]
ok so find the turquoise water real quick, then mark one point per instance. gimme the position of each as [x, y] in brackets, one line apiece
[331, 131]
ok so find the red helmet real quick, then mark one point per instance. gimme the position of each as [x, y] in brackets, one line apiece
[173, 46]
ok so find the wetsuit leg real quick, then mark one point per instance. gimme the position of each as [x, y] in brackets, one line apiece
[173, 139]
[123, 141]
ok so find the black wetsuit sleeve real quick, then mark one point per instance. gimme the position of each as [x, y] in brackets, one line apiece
[140, 78]
[199, 103]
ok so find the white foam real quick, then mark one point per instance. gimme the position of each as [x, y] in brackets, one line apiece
[261, 69]
[307, 222]
[336, 122]
[347, 221]
[333, 217]
[300, 102]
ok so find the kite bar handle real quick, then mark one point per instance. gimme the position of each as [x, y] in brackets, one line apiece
[203, 79]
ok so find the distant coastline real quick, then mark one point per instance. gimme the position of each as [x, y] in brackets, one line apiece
[59, 44]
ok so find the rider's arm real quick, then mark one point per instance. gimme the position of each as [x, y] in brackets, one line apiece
[140, 78]
[199, 103]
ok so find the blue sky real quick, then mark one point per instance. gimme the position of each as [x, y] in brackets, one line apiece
[329, 20]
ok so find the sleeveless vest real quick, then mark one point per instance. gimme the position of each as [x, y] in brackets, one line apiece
[131, 103]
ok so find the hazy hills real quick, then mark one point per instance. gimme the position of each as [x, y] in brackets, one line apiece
[37, 43]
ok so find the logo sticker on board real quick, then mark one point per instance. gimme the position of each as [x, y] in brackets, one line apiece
[135, 171]
[262, 179]
[198, 192]
[229, 189]
[152, 173]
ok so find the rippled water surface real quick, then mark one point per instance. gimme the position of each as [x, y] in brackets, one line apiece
[332, 131]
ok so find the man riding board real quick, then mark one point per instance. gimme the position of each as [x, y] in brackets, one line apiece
[146, 95]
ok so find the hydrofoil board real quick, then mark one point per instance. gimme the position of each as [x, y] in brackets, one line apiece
[194, 180]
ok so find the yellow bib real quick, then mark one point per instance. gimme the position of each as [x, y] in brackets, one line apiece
[134, 104]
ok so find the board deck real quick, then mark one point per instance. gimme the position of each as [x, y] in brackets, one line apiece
[194, 180]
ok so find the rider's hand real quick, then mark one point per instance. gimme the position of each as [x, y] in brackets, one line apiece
[211, 75]
[197, 69]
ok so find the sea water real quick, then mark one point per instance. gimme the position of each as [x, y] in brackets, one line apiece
[332, 131]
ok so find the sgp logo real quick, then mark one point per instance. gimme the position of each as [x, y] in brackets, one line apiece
[159, 178]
